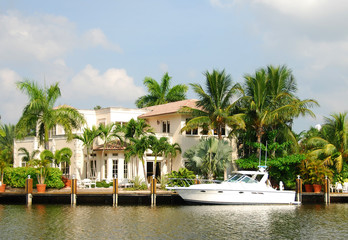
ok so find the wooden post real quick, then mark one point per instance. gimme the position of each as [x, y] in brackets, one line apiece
[153, 191]
[327, 190]
[73, 190]
[29, 190]
[298, 189]
[115, 192]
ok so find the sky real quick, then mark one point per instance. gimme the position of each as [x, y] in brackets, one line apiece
[101, 51]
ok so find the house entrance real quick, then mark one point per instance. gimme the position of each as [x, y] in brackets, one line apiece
[150, 170]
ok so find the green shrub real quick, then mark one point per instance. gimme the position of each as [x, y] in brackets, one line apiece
[15, 177]
[283, 169]
[181, 178]
[104, 184]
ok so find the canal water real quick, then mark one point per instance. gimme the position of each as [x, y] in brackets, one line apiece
[174, 222]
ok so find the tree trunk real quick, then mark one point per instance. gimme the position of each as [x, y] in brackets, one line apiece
[143, 162]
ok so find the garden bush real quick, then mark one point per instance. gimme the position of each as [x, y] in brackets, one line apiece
[15, 177]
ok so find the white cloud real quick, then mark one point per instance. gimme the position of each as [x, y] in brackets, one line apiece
[114, 85]
[12, 100]
[44, 37]
[164, 67]
[96, 37]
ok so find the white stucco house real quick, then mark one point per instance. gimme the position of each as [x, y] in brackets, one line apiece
[165, 121]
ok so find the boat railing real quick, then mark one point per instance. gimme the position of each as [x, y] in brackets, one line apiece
[185, 182]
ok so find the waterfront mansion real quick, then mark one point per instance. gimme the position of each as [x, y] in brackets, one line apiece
[165, 120]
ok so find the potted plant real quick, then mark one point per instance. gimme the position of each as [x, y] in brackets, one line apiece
[314, 172]
[317, 172]
[42, 165]
[63, 157]
[304, 171]
[3, 164]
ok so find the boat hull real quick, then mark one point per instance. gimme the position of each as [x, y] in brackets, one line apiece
[231, 197]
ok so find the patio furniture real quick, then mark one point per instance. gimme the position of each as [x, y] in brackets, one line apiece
[338, 187]
[345, 187]
[125, 183]
[88, 183]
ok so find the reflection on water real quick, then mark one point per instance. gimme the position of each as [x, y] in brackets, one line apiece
[174, 222]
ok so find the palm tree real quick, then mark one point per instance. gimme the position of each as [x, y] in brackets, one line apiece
[270, 100]
[106, 134]
[332, 146]
[161, 93]
[138, 148]
[6, 140]
[209, 156]
[172, 151]
[215, 105]
[137, 128]
[87, 138]
[40, 114]
[28, 156]
[42, 164]
[158, 148]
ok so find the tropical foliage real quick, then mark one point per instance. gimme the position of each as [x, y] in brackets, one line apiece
[42, 165]
[40, 116]
[161, 93]
[331, 146]
[215, 108]
[209, 157]
[182, 178]
[15, 177]
[270, 105]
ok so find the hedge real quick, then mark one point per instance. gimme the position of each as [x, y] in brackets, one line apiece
[15, 177]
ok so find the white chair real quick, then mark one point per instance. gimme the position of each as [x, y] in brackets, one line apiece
[87, 183]
[338, 187]
[345, 187]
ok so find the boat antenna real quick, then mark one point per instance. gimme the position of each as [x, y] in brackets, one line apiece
[260, 156]
[266, 155]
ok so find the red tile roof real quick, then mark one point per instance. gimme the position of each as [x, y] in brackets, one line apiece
[114, 145]
[168, 108]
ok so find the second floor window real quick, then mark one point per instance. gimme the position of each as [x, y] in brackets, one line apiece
[191, 131]
[166, 126]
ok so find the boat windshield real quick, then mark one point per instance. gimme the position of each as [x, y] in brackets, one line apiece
[241, 178]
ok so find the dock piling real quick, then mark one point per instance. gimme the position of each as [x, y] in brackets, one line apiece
[29, 191]
[153, 191]
[73, 190]
[298, 189]
[115, 192]
[327, 190]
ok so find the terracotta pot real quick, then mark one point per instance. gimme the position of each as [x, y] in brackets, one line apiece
[2, 188]
[41, 188]
[67, 183]
[308, 187]
[317, 188]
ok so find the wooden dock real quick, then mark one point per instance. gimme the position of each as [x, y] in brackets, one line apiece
[91, 196]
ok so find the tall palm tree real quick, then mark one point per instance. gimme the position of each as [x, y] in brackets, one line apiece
[158, 148]
[160, 93]
[215, 105]
[133, 132]
[137, 128]
[270, 100]
[87, 138]
[106, 134]
[138, 148]
[40, 114]
[332, 146]
[171, 151]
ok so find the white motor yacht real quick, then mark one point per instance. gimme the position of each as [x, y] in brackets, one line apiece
[244, 187]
